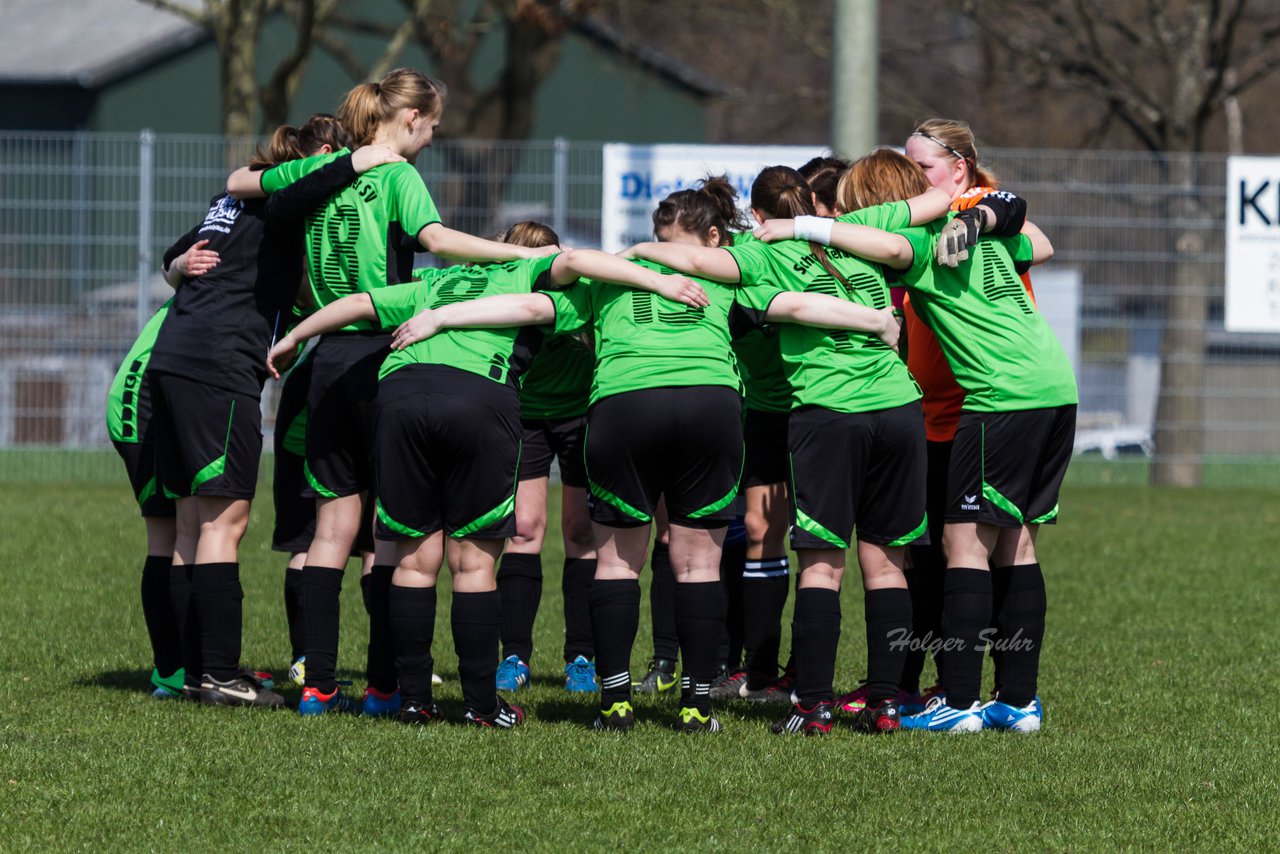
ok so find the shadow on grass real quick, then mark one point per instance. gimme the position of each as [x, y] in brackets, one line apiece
[131, 680]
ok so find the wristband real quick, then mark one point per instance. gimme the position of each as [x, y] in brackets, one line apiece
[814, 228]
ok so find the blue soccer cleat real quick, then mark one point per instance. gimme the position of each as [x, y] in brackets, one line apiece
[998, 715]
[939, 717]
[314, 703]
[513, 674]
[580, 676]
[379, 705]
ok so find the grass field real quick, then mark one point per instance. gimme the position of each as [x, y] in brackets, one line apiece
[1159, 676]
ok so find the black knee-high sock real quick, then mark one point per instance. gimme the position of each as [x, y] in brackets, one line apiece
[185, 619]
[924, 580]
[476, 620]
[411, 616]
[575, 584]
[1020, 622]
[615, 617]
[318, 607]
[1000, 578]
[292, 590]
[888, 615]
[765, 583]
[157, 612]
[966, 614]
[217, 600]
[815, 634]
[380, 661]
[732, 559]
[700, 616]
[662, 604]
[520, 585]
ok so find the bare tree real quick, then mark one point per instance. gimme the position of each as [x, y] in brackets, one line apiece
[235, 26]
[1166, 71]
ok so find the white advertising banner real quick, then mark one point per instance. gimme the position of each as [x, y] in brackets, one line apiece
[1253, 244]
[637, 177]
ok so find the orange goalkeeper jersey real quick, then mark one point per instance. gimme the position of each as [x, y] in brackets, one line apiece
[943, 398]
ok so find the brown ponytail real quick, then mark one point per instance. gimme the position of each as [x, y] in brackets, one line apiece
[291, 143]
[882, 176]
[533, 235]
[713, 203]
[370, 104]
[282, 146]
[781, 192]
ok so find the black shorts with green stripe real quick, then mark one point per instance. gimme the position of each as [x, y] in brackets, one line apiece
[208, 440]
[340, 412]
[546, 439]
[862, 471]
[140, 463]
[683, 444]
[1007, 467]
[447, 450]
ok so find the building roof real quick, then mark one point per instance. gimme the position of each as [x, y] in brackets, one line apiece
[88, 43]
[91, 43]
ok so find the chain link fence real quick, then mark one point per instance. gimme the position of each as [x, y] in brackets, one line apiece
[84, 219]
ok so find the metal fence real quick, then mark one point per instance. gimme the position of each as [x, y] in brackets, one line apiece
[84, 219]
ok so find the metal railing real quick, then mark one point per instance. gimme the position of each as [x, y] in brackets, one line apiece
[84, 219]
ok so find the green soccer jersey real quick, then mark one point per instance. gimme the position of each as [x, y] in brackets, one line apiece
[502, 355]
[1000, 348]
[558, 383]
[647, 341]
[366, 236]
[125, 404]
[836, 369]
[758, 348]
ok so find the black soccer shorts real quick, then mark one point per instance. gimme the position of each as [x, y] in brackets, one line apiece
[765, 437]
[1007, 467]
[554, 438]
[447, 452]
[208, 440]
[683, 444]
[341, 411]
[140, 463]
[862, 471]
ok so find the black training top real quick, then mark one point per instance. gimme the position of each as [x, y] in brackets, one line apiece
[222, 324]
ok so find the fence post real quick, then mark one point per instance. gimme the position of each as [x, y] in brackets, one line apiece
[146, 169]
[560, 188]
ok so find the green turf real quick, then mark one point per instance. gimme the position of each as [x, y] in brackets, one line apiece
[1159, 677]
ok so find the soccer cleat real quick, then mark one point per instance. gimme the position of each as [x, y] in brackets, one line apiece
[419, 714]
[504, 716]
[691, 720]
[913, 704]
[998, 715]
[816, 720]
[580, 676]
[513, 674]
[244, 689]
[882, 717]
[728, 685]
[660, 678]
[264, 678]
[856, 700]
[314, 702]
[298, 671]
[619, 717]
[939, 717]
[379, 705]
[778, 692]
[168, 687]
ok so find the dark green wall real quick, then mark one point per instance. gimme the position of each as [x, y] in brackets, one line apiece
[593, 94]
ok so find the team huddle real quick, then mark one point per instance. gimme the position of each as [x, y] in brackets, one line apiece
[862, 367]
